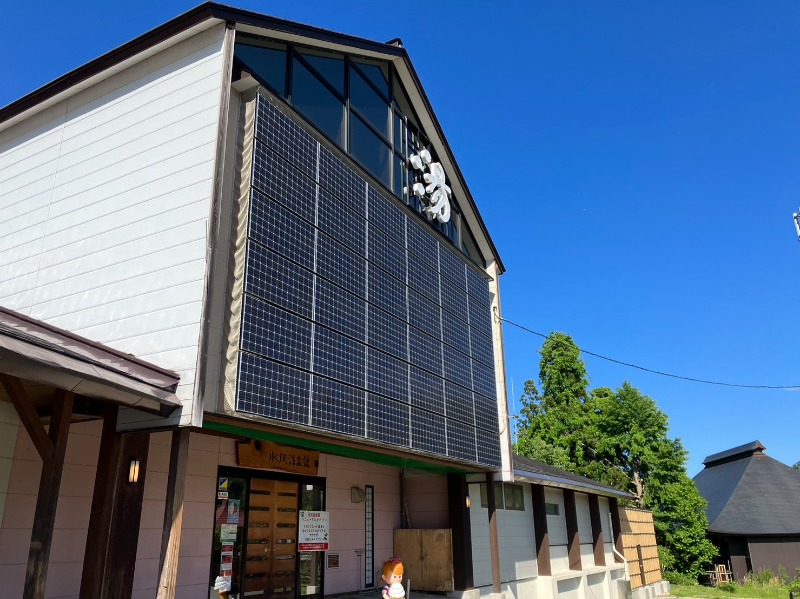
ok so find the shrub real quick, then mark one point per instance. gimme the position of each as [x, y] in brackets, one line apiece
[680, 578]
[728, 587]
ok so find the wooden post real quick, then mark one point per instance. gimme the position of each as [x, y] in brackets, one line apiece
[597, 531]
[110, 558]
[28, 416]
[494, 545]
[457, 495]
[573, 539]
[173, 514]
[541, 536]
[47, 501]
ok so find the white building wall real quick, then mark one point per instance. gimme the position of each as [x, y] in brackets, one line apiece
[104, 203]
[516, 536]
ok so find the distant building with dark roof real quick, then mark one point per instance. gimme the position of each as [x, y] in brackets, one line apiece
[753, 509]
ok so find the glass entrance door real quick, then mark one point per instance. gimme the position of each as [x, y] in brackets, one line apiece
[255, 538]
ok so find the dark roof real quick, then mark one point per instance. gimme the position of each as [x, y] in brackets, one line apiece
[550, 476]
[36, 351]
[212, 10]
[750, 493]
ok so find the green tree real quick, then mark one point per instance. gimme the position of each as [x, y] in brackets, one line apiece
[619, 437]
[796, 466]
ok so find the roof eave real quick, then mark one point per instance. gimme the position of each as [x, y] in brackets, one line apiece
[547, 480]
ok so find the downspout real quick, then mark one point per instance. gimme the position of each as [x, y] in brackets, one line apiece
[627, 575]
[403, 506]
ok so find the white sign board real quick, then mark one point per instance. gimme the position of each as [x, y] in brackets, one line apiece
[312, 533]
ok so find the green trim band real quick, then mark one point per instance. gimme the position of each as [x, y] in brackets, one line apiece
[348, 452]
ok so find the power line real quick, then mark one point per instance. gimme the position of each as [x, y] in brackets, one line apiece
[650, 370]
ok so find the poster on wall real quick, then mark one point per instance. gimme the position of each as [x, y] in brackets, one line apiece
[227, 532]
[312, 533]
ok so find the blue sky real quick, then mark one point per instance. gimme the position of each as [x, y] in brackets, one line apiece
[635, 163]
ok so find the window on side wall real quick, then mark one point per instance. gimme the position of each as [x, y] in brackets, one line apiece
[552, 509]
[507, 497]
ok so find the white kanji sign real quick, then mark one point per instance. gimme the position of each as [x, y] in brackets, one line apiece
[435, 193]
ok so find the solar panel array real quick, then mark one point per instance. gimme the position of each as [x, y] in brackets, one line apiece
[356, 318]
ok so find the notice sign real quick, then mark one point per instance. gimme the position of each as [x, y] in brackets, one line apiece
[312, 533]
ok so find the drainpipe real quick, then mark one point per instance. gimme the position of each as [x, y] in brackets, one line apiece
[403, 507]
[627, 576]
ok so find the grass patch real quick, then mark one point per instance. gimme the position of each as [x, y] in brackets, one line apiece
[742, 591]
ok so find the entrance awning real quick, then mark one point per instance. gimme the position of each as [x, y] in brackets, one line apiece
[34, 351]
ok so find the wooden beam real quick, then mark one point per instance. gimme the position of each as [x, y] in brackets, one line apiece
[28, 416]
[173, 514]
[543, 565]
[597, 531]
[573, 538]
[494, 545]
[98, 541]
[457, 496]
[47, 501]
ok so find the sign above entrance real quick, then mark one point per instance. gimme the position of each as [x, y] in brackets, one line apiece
[312, 531]
[263, 454]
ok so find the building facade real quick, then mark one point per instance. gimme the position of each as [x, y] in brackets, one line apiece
[269, 218]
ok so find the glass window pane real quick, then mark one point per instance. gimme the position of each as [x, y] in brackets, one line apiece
[377, 72]
[266, 60]
[368, 103]
[398, 177]
[329, 65]
[398, 134]
[316, 101]
[369, 150]
[403, 103]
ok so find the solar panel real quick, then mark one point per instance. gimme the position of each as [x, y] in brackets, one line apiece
[387, 420]
[272, 390]
[425, 314]
[280, 230]
[386, 216]
[426, 352]
[388, 333]
[272, 277]
[342, 181]
[338, 220]
[387, 292]
[274, 333]
[286, 137]
[457, 366]
[483, 380]
[486, 413]
[337, 407]
[460, 440]
[459, 403]
[340, 310]
[481, 347]
[454, 300]
[387, 254]
[281, 181]
[488, 443]
[478, 288]
[422, 243]
[377, 344]
[338, 357]
[480, 317]
[387, 375]
[428, 431]
[453, 268]
[341, 266]
[427, 390]
[422, 277]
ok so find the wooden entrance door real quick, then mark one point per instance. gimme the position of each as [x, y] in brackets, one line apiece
[270, 560]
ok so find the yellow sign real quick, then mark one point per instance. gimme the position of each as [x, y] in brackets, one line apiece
[263, 454]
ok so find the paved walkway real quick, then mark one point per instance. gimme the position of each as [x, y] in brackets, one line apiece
[376, 594]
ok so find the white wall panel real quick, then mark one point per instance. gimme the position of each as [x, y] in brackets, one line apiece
[104, 206]
[556, 525]
[517, 542]
[584, 517]
[605, 524]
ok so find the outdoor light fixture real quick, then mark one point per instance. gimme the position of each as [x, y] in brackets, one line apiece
[133, 472]
[467, 502]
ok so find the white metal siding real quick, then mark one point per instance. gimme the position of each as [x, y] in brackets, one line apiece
[556, 525]
[584, 517]
[104, 203]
